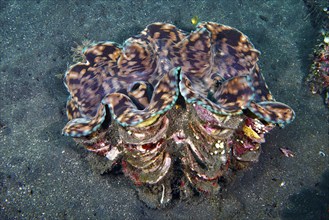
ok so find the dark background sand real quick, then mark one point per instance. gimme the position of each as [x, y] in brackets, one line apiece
[45, 175]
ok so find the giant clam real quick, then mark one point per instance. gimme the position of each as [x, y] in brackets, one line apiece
[177, 111]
